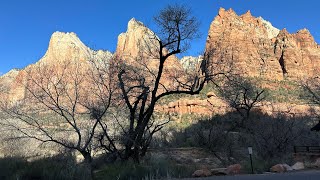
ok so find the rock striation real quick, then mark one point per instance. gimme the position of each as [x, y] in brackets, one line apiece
[253, 47]
[209, 106]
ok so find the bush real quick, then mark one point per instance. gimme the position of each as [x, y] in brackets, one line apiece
[150, 168]
[272, 138]
[59, 167]
[10, 167]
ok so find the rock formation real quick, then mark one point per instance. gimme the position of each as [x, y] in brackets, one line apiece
[253, 47]
[139, 47]
[139, 43]
[209, 106]
[245, 44]
[68, 47]
[190, 63]
[63, 48]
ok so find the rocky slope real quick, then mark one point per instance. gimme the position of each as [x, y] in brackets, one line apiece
[253, 47]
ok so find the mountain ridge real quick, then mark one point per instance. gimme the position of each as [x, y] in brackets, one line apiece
[252, 44]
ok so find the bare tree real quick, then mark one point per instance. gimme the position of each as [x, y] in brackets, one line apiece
[312, 96]
[280, 133]
[142, 86]
[80, 97]
[242, 95]
[312, 89]
[64, 104]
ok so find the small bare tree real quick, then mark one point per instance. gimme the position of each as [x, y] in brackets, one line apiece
[312, 96]
[242, 95]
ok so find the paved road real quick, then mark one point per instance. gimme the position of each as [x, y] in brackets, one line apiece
[305, 175]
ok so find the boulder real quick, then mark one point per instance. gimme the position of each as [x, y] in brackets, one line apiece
[210, 94]
[287, 167]
[234, 169]
[202, 173]
[298, 166]
[219, 171]
[278, 168]
[316, 164]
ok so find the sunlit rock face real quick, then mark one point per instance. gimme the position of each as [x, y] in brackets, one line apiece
[8, 82]
[68, 47]
[253, 47]
[63, 49]
[190, 63]
[298, 54]
[139, 42]
[139, 47]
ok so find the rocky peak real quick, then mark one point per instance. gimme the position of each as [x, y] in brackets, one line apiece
[62, 39]
[256, 48]
[304, 31]
[226, 13]
[134, 24]
[283, 32]
[128, 41]
[65, 47]
[247, 14]
[283, 35]
[271, 30]
[137, 39]
[247, 17]
[222, 12]
[138, 47]
[305, 39]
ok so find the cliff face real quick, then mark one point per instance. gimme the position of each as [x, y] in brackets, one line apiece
[140, 43]
[190, 63]
[253, 47]
[298, 54]
[138, 47]
[248, 45]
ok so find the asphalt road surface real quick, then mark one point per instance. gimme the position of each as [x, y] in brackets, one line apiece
[302, 175]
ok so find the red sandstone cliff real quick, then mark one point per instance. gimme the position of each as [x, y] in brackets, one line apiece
[253, 47]
[138, 47]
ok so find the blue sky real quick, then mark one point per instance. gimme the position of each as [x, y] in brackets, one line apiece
[26, 26]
